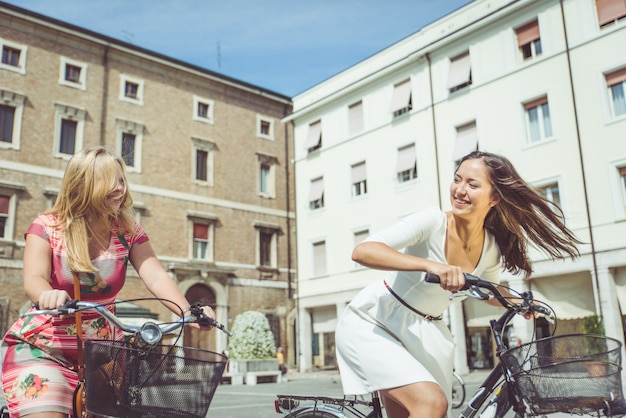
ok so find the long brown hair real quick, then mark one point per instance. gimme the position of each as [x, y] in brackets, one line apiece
[90, 176]
[522, 216]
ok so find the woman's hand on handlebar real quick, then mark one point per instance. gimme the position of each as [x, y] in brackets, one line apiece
[208, 312]
[52, 299]
[451, 277]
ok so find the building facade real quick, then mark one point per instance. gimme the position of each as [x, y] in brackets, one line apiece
[208, 161]
[541, 82]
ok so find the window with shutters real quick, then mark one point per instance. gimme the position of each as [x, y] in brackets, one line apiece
[616, 84]
[529, 40]
[401, 101]
[359, 179]
[466, 140]
[538, 123]
[406, 164]
[460, 75]
[610, 11]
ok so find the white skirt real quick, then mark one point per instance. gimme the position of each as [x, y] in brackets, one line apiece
[382, 344]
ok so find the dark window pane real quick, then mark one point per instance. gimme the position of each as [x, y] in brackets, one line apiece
[128, 149]
[201, 165]
[7, 115]
[67, 144]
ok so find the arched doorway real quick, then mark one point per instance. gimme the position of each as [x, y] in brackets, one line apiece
[193, 337]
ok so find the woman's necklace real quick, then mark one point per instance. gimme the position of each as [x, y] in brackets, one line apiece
[467, 243]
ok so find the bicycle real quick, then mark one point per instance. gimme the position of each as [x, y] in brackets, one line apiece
[137, 376]
[458, 391]
[545, 376]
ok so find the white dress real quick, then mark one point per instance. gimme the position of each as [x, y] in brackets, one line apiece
[383, 344]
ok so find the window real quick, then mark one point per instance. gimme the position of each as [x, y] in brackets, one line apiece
[551, 192]
[528, 40]
[8, 203]
[466, 141]
[265, 248]
[203, 110]
[200, 241]
[359, 236]
[319, 258]
[11, 107]
[69, 133]
[359, 179]
[267, 235]
[460, 75]
[131, 90]
[128, 148]
[203, 161]
[68, 136]
[13, 57]
[7, 115]
[202, 227]
[316, 194]
[267, 175]
[73, 73]
[355, 118]
[314, 138]
[202, 158]
[538, 119]
[129, 143]
[616, 82]
[4, 215]
[610, 11]
[401, 102]
[265, 127]
[406, 166]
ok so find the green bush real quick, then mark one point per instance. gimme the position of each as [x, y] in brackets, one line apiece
[252, 338]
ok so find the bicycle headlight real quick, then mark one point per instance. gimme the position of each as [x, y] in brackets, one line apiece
[151, 333]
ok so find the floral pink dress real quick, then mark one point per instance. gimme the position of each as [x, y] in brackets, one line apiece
[39, 352]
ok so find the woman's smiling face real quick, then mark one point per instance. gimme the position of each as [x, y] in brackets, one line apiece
[471, 191]
[116, 197]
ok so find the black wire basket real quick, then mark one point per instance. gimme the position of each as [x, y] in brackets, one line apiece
[577, 373]
[157, 381]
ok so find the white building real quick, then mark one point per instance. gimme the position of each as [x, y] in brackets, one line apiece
[541, 82]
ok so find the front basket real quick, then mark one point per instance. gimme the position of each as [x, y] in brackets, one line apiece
[570, 373]
[159, 381]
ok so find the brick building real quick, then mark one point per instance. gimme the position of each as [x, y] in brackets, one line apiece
[207, 155]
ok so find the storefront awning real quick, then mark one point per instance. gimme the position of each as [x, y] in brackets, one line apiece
[571, 296]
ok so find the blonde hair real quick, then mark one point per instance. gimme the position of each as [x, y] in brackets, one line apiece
[90, 176]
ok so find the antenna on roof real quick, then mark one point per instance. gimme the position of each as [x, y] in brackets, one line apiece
[219, 57]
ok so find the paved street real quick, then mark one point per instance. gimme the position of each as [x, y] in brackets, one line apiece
[241, 401]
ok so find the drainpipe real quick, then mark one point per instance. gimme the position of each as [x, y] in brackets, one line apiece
[287, 210]
[582, 166]
[105, 92]
[434, 121]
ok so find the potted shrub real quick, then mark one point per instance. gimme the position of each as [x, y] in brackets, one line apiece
[596, 346]
[252, 347]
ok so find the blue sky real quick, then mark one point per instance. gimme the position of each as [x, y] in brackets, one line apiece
[286, 46]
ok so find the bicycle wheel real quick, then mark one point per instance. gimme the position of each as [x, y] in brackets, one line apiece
[458, 391]
[321, 411]
[498, 405]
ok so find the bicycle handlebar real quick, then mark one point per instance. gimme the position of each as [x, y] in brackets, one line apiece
[474, 284]
[151, 332]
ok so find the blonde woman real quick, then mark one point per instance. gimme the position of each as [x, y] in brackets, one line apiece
[90, 231]
[391, 338]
